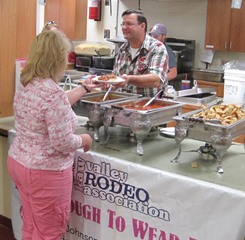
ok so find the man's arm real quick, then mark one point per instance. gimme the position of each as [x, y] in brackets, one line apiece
[172, 73]
[143, 81]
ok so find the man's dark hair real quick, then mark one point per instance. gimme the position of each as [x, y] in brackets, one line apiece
[140, 16]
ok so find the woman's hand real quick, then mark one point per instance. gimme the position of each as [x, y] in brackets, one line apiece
[86, 142]
[90, 85]
[89, 80]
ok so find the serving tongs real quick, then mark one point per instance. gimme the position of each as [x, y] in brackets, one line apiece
[107, 93]
[153, 98]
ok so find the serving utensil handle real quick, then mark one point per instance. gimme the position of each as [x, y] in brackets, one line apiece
[106, 94]
[153, 98]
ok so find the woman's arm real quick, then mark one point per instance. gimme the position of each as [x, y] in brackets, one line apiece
[76, 93]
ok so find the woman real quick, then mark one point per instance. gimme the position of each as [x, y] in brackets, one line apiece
[41, 156]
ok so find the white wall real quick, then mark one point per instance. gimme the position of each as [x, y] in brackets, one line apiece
[185, 19]
[40, 16]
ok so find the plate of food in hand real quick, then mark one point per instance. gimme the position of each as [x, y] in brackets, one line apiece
[110, 79]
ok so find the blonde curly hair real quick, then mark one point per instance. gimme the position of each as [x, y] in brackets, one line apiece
[47, 57]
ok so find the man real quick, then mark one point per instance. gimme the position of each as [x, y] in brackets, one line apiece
[141, 61]
[159, 32]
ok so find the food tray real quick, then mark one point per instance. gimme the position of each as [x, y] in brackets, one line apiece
[92, 106]
[114, 96]
[201, 98]
[141, 121]
[209, 131]
[208, 75]
[137, 105]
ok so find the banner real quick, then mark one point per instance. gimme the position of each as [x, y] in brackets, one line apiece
[113, 199]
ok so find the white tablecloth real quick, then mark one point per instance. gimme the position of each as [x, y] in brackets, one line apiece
[116, 199]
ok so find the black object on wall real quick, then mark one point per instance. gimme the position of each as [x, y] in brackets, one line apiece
[185, 53]
[185, 57]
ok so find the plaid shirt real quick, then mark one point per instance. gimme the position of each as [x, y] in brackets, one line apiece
[152, 57]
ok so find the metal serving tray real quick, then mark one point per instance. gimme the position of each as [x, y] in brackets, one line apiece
[196, 95]
[91, 106]
[218, 135]
[114, 96]
[201, 98]
[208, 75]
[138, 120]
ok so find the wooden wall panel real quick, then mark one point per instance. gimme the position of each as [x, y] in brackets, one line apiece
[67, 17]
[18, 28]
[81, 20]
[7, 55]
[26, 26]
[71, 16]
[52, 11]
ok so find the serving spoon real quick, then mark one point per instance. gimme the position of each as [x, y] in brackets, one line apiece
[153, 98]
[106, 94]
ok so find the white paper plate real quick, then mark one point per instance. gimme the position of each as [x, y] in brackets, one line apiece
[168, 132]
[110, 82]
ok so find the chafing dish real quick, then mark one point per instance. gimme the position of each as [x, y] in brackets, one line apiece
[196, 95]
[92, 106]
[141, 120]
[218, 137]
[208, 75]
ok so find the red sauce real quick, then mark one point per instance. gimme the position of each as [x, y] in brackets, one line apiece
[138, 105]
[99, 98]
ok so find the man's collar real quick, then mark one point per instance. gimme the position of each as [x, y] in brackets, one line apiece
[126, 45]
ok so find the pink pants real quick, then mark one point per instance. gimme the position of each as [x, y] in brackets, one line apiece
[45, 197]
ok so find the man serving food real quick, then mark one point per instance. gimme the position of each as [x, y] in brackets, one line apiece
[142, 61]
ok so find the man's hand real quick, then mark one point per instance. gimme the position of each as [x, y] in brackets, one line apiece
[122, 84]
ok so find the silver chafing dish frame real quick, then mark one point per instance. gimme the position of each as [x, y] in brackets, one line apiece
[217, 135]
[192, 95]
[95, 110]
[140, 122]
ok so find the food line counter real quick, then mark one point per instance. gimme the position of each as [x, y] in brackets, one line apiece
[148, 197]
[118, 194]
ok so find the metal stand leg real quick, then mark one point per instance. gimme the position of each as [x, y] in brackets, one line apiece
[96, 135]
[175, 160]
[107, 134]
[140, 149]
[219, 166]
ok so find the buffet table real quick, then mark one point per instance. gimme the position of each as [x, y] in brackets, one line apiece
[120, 195]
